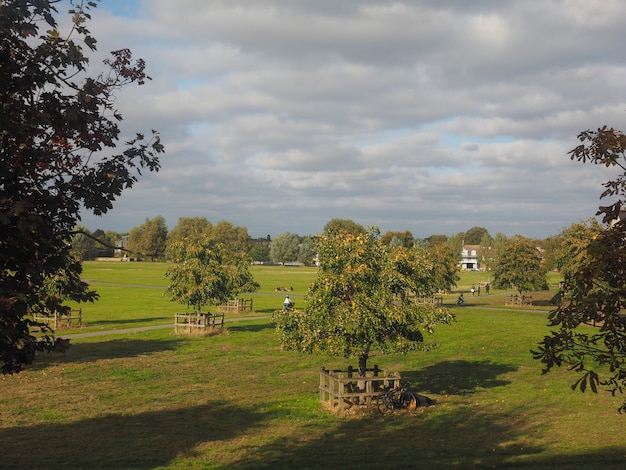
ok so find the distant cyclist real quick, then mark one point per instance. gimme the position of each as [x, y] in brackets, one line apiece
[288, 304]
[460, 300]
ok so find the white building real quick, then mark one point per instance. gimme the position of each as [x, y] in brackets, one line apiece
[469, 258]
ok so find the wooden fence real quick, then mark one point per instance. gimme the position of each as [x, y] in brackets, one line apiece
[341, 389]
[517, 299]
[435, 300]
[73, 318]
[201, 323]
[236, 306]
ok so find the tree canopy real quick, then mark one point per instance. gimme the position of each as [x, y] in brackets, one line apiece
[589, 321]
[285, 248]
[59, 132]
[360, 301]
[475, 235]
[149, 239]
[205, 272]
[343, 225]
[519, 266]
[405, 238]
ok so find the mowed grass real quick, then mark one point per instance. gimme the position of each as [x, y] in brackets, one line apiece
[153, 399]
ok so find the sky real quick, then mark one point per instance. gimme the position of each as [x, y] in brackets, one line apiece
[429, 116]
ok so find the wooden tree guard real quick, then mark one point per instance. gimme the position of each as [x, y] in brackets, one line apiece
[341, 389]
[516, 299]
[73, 318]
[202, 323]
[235, 306]
[434, 300]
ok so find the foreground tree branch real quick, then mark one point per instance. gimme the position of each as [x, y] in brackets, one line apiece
[590, 318]
[59, 139]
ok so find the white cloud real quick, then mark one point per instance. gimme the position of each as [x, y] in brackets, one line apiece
[421, 115]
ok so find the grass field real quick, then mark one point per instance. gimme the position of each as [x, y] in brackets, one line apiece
[153, 399]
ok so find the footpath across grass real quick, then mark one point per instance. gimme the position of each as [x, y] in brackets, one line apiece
[158, 400]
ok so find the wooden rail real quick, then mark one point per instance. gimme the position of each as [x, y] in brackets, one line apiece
[236, 305]
[341, 389]
[516, 299]
[201, 323]
[73, 318]
[435, 300]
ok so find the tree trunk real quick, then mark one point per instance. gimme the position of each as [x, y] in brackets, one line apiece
[363, 363]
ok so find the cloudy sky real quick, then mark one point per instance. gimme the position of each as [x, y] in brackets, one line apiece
[430, 116]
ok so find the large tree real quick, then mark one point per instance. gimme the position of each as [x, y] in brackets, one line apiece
[83, 244]
[285, 247]
[474, 235]
[343, 225]
[446, 272]
[149, 239]
[519, 266]
[307, 252]
[573, 244]
[234, 237]
[205, 272]
[360, 301]
[405, 238]
[188, 226]
[59, 130]
[589, 322]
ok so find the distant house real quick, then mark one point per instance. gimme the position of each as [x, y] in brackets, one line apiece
[469, 259]
[121, 244]
[261, 241]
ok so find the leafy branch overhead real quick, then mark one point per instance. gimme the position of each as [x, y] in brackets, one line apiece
[589, 322]
[59, 155]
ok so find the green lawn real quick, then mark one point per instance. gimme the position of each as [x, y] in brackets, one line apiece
[157, 400]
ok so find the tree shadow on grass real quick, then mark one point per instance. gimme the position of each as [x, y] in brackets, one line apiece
[139, 441]
[457, 377]
[268, 311]
[134, 321]
[428, 438]
[241, 328]
[112, 349]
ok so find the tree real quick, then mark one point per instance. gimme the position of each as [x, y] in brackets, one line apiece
[551, 247]
[455, 242]
[235, 238]
[343, 225]
[446, 272]
[58, 132]
[590, 326]
[404, 239]
[259, 253]
[206, 272]
[485, 251]
[474, 235]
[520, 267]
[573, 244]
[438, 239]
[149, 239]
[83, 244]
[284, 248]
[360, 301]
[491, 250]
[188, 226]
[307, 251]
[422, 244]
